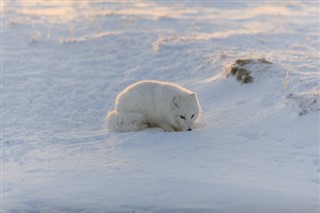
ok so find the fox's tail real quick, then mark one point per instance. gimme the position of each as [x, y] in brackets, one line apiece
[125, 121]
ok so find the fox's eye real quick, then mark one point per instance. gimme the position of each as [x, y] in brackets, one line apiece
[192, 116]
[182, 117]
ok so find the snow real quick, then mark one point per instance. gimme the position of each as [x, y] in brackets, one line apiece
[256, 147]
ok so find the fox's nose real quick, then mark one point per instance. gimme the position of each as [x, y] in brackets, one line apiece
[189, 129]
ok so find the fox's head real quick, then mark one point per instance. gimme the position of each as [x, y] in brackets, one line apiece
[186, 110]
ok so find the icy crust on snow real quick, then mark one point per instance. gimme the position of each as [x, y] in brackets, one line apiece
[256, 148]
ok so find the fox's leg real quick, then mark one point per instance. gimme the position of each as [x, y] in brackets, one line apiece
[167, 127]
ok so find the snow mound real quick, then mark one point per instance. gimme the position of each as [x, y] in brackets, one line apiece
[300, 90]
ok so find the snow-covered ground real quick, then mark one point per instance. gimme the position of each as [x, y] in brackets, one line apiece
[256, 148]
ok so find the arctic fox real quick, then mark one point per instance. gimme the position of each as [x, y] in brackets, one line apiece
[154, 104]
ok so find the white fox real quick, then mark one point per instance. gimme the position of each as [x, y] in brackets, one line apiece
[154, 104]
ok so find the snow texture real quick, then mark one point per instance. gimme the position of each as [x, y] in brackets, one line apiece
[256, 148]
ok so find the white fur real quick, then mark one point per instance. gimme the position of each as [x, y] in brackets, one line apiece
[154, 104]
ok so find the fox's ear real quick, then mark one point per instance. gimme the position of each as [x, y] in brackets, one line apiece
[175, 102]
[194, 95]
